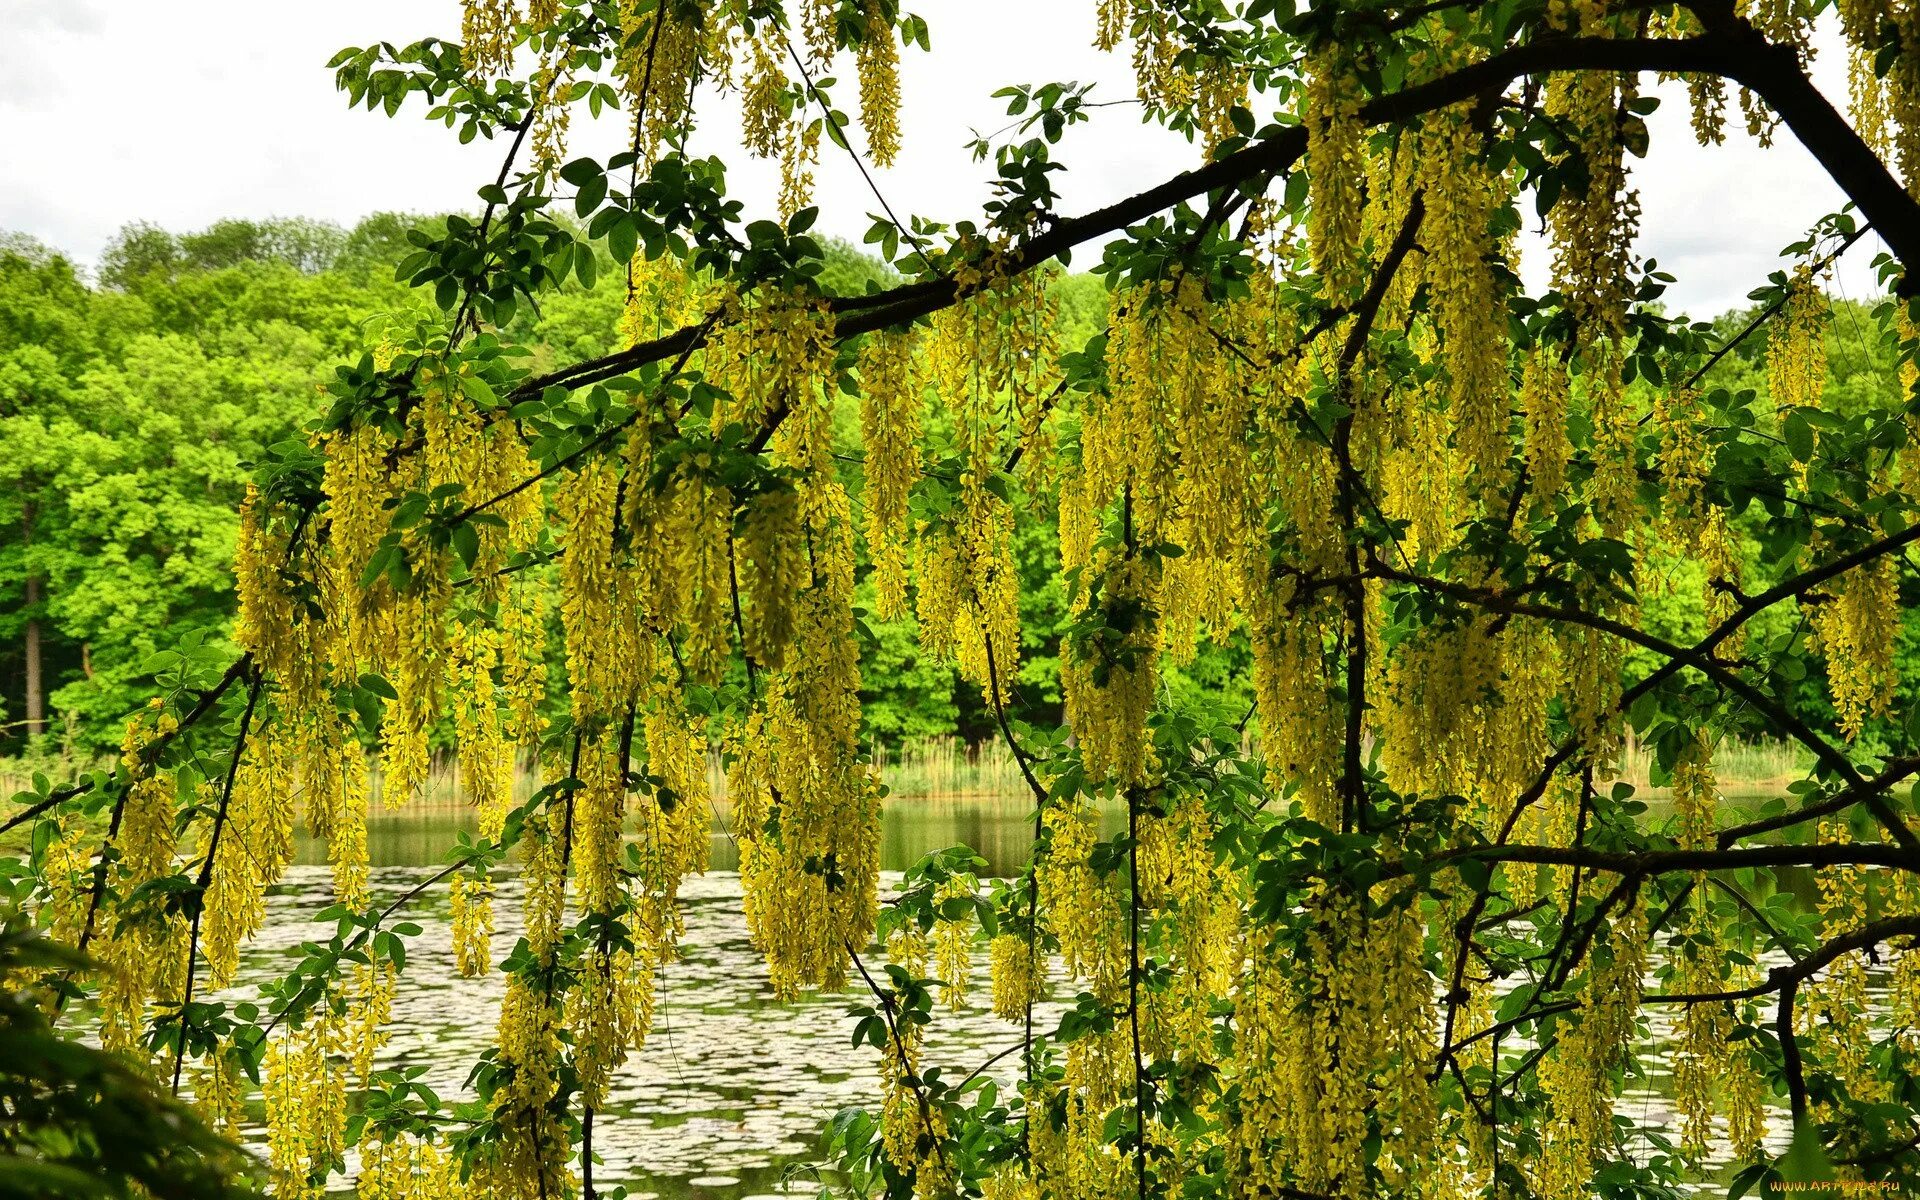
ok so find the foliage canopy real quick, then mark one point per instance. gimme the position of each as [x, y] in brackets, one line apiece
[1405, 946]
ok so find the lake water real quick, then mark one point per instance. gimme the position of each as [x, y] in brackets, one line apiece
[732, 1088]
[728, 1095]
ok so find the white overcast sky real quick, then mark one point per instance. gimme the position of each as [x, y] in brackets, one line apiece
[186, 112]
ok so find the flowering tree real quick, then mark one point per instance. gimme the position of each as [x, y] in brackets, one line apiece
[1405, 947]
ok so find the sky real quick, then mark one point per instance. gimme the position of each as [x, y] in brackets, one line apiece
[187, 112]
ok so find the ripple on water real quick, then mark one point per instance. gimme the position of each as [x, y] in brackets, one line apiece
[732, 1088]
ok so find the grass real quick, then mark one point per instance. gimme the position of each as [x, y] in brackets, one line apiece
[937, 768]
[946, 766]
[1741, 768]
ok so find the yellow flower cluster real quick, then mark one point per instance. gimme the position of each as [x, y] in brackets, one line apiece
[486, 751]
[1293, 678]
[1443, 686]
[1857, 629]
[1159, 78]
[1590, 684]
[487, 35]
[1709, 1071]
[1905, 999]
[1834, 1015]
[1019, 973]
[1325, 1040]
[613, 1014]
[1109, 680]
[1462, 193]
[1110, 22]
[1189, 474]
[891, 408]
[406, 1167]
[808, 803]
[220, 1089]
[1544, 394]
[1796, 346]
[769, 554]
[878, 57]
[953, 944]
[369, 1005]
[521, 645]
[661, 46]
[1199, 901]
[68, 879]
[256, 844]
[306, 1108]
[604, 652]
[418, 625]
[552, 115]
[472, 917]
[530, 1159]
[764, 127]
[1579, 1075]
[1336, 167]
[142, 953]
[1593, 230]
[912, 1130]
[1080, 906]
[983, 363]
[268, 622]
[335, 774]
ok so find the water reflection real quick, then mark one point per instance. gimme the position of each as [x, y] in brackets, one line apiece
[1000, 828]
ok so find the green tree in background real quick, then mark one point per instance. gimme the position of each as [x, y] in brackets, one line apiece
[130, 410]
[128, 418]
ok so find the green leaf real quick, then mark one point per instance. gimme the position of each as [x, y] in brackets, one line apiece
[621, 239]
[590, 194]
[466, 543]
[1806, 1159]
[1799, 436]
[581, 170]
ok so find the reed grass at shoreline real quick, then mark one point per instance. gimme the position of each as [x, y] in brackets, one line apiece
[941, 768]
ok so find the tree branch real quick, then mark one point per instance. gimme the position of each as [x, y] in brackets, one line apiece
[1733, 50]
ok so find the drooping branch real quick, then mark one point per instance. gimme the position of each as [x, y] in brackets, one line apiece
[1785, 979]
[1352, 489]
[1783, 720]
[205, 877]
[149, 753]
[1895, 771]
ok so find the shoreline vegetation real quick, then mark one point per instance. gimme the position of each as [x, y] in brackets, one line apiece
[949, 768]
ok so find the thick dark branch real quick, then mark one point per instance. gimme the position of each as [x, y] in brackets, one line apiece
[1768, 313]
[1666, 862]
[888, 1008]
[1779, 979]
[1735, 51]
[1789, 979]
[1895, 771]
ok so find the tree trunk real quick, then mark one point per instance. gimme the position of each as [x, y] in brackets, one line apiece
[36, 688]
[36, 692]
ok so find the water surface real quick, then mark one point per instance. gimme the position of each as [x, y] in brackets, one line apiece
[727, 1097]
